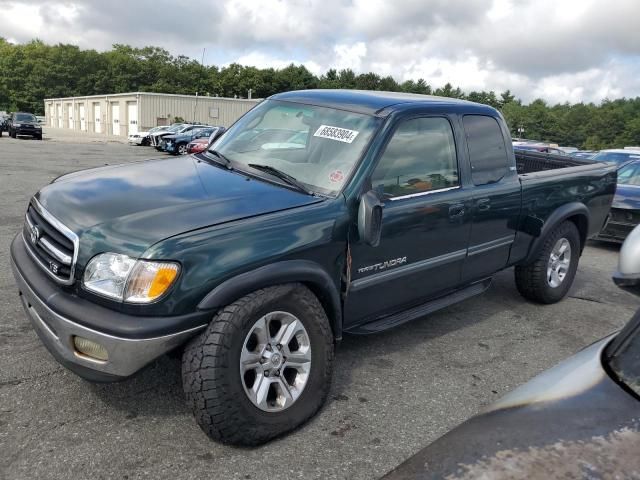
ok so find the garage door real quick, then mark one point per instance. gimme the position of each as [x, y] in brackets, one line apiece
[132, 117]
[70, 117]
[115, 118]
[97, 122]
[59, 115]
[83, 123]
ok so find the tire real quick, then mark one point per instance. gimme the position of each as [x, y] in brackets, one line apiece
[38, 137]
[181, 149]
[218, 393]
[533, 280]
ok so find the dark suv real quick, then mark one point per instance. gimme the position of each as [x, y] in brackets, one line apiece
[21, 123]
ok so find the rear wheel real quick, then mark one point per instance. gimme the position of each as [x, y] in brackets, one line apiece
[550, 276]
[181, 149]
[262, 367]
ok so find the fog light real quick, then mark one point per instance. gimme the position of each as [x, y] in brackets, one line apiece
[90, 349]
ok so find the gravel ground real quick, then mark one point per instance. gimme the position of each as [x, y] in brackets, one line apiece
[392, 394]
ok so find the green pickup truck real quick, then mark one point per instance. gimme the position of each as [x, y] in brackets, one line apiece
[319, 212]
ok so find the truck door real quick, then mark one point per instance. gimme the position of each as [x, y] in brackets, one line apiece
[496, 197]
[425, 225]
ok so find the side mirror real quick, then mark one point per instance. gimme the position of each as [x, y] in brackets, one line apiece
[370, 218]
[627, 276]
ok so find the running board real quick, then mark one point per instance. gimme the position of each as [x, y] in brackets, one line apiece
[405, 316]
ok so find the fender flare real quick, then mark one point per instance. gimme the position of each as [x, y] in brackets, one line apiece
[558, 216]
[303, 271]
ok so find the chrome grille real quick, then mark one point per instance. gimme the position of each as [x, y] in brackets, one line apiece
[50, 243]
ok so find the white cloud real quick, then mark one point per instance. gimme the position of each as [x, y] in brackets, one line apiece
[567, 50]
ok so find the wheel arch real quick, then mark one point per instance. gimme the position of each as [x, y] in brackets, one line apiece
[309, 273]
[575, 212]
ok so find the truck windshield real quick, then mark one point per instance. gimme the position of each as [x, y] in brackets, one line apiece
[318, 146]
[25, 117]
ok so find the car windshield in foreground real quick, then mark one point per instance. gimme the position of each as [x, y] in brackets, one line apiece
[25, 117]
[616, 157]
[317, 147]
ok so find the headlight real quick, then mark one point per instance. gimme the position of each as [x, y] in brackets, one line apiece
[123, 278]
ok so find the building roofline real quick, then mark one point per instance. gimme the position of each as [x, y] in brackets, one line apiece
[129, 94]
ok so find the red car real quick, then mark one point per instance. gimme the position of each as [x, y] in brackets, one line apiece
[198, 145]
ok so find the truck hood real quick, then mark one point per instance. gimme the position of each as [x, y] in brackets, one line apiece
[127, 208]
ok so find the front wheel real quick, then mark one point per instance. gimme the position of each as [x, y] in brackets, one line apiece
[181, 149]
[550, 276]
[262, 367]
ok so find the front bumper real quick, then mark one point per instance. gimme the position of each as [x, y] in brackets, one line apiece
[31, 131]
[135, 140]
[129, 351]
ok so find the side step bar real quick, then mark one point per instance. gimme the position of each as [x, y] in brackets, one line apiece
[405, 316]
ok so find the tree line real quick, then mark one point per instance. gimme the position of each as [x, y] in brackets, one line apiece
[33, 71]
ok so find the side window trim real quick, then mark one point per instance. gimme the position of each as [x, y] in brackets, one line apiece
[420, 194]
[456, 149]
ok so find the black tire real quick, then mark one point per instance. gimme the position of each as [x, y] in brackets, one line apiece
[211, 375]
[531, 279]
[38, 137]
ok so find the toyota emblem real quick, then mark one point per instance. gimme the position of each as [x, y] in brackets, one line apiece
[35, 234]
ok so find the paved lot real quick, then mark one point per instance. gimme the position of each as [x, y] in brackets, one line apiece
[392, 394]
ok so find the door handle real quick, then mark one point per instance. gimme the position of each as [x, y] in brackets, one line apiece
[483, 204]
[456, 211]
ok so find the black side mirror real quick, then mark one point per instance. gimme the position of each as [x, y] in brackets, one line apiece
[370, 218]
[627, 276]
[217, 133]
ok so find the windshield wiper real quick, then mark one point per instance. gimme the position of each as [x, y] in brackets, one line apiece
[223, 160]
[294, 182]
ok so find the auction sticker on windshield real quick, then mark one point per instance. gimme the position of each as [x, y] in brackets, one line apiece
[336, 133]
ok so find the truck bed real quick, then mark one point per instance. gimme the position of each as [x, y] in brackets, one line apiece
[529, 162]
[548, 182]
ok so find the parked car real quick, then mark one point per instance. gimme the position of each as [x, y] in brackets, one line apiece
[576, 420]
[143, 138]
[4, 123]
[158, 138]
[585, 154]
[176, 144]
[625, 210]
[200, 144]
[24, 124]
[256, 261]
[619, 156]
[540, 148]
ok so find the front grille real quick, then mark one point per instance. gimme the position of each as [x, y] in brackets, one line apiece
[50, 243]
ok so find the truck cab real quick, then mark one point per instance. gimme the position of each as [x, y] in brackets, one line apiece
[318, 213]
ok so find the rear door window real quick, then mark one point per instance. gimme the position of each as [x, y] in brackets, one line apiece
[487, 151]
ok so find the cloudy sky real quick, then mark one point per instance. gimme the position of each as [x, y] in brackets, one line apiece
[560, 50]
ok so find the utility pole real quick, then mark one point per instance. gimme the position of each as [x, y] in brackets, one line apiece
[195, 106]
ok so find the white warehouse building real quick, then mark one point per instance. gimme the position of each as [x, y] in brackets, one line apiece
[127, 113]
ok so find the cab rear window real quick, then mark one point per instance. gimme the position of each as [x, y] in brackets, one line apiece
[487, 151]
